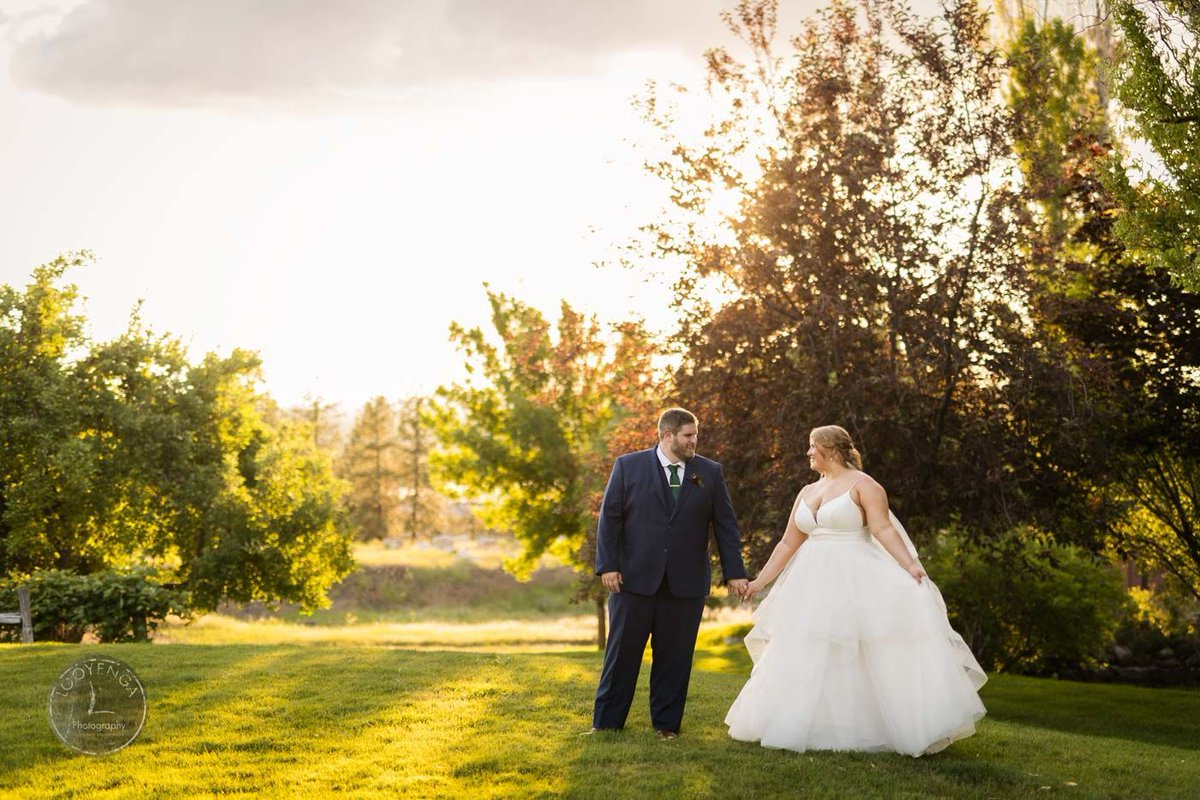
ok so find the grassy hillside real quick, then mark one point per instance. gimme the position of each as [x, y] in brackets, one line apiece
[420, 583]
[421, 596]
[288, 720]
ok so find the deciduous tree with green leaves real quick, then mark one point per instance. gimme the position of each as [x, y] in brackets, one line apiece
[1109, 321]
[1158, 82]
[531, 431]
[872, 263]
[121, 453]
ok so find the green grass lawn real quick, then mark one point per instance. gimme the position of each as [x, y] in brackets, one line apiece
[362, 721]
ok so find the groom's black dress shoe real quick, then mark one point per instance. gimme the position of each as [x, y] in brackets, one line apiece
[663, 733]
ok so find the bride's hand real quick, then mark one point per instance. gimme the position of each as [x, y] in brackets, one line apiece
[917, 571]
[752, 588]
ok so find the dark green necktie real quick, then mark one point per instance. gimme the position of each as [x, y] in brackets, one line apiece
[675, 486]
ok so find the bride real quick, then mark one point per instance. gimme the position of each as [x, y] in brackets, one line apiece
[852, 649]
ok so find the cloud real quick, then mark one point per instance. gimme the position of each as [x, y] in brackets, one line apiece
[27, 20]
[184, 52]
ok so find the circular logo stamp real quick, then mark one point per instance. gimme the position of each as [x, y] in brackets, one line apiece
[97, 705]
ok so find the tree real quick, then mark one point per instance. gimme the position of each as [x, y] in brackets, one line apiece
[530, 431]
[1109, 321]
[873, 263]
[373, 464]
[324, 420]
[122, 453]
[422, 507]
[1058, 115]
[1163, 528]
[260, 515]
[1158, 82]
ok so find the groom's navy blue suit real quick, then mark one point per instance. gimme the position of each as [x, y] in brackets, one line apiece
[660, 546]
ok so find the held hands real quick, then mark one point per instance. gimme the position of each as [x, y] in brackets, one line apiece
[744, 589]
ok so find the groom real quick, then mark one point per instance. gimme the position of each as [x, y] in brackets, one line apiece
[652, 555]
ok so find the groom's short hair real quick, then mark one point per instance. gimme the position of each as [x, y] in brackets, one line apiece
[675, 418]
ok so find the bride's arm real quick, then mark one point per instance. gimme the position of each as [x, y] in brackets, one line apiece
[873, 500]
[793, 537]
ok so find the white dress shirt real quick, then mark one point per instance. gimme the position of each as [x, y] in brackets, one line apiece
[666, 462]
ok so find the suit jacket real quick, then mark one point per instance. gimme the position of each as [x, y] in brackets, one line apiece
[645, 533]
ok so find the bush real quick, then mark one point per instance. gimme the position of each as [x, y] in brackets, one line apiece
[1026, 603]
[118, 606]
[1164, 631]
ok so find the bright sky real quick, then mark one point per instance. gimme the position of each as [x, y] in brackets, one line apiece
[330, 183]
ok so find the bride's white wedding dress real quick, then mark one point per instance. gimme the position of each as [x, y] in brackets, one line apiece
[851, 653]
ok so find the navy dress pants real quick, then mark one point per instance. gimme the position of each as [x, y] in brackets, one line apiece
[671, 624]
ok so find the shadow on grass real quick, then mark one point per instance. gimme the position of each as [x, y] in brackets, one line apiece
[704, 761]
[221, 718]
[308, 721]
[1134, 713]
[301, 720]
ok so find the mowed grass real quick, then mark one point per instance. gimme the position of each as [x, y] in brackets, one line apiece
[361, 721]
[574, 633]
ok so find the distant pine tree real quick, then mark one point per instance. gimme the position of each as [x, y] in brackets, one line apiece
[422, 508]
[372, 464]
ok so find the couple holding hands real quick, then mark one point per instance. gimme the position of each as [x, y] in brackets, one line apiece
[852, 648]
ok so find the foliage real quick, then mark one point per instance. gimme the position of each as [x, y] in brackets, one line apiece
[1165, 610]
[1158, 82]
[59, 604]
[1161, 529]
[422, 507]
[323, 420]
[534, 433]
[874, 265]
[1125, 342]
[371, 463]
[119, 453]
[1057, 115]
[1024, 602]
[1164, 619]
[118, 606]
[376, 721]
[531, 437]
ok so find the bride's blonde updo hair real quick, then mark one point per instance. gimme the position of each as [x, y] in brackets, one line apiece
[836, 440]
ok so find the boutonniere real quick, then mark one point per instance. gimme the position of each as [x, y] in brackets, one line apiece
[694, 478]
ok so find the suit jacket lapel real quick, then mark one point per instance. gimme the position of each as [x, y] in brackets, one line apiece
[688, 471]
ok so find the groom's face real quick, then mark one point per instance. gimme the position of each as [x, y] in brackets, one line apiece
[682, 443]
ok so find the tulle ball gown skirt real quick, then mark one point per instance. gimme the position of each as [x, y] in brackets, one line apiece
[851, 653]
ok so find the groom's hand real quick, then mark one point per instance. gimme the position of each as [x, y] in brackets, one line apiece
[611, 581]
[738, 587]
